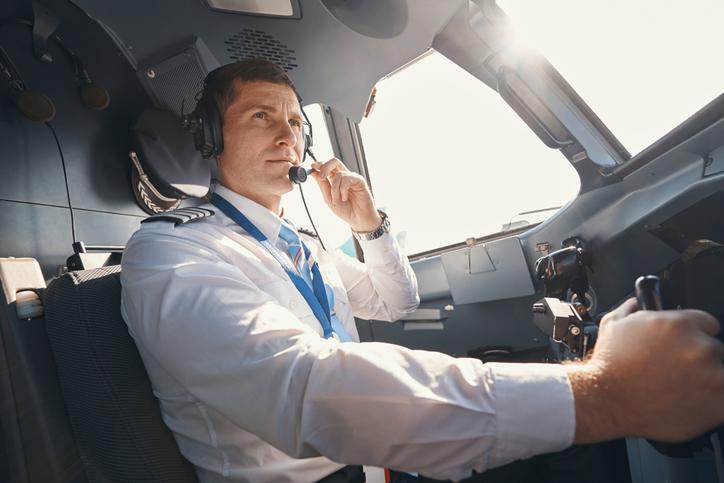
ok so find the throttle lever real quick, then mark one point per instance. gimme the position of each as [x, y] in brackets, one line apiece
[648, 292]
[648, 295]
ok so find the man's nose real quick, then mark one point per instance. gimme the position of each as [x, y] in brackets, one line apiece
[285, 135]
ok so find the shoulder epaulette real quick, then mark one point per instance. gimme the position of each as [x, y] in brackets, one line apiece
[182, 215]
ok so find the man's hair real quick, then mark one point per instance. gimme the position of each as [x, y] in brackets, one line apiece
[221, 83]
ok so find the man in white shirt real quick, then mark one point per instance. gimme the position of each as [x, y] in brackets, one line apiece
[260, 381]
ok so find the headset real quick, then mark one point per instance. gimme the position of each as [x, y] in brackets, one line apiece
[206, 125]
[37, 106]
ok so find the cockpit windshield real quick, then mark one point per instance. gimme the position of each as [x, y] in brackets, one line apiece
[643, 67]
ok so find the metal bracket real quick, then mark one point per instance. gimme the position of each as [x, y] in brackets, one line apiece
[44, 25]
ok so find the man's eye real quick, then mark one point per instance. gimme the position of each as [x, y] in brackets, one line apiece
[295, 123]
[260, 115]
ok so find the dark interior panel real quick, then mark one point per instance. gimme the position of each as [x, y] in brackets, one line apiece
[507, 323]
[617, 266]
[95, 228]
[93, 143]
[655, 243]
[703, 220]
[37, 231]
[30, 165]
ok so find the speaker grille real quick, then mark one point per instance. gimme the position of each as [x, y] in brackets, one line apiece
[181, 80]
[174, 81]
[256, 44]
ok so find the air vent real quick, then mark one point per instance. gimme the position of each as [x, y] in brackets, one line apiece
[256, 44]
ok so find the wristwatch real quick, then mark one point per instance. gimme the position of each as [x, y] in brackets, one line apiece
[375, 234]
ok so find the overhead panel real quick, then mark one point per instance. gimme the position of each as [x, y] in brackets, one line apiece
[335, 52]
[257, 44]
[272, 8]
[380, 19]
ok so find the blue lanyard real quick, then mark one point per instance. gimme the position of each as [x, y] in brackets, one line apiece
[316, 300]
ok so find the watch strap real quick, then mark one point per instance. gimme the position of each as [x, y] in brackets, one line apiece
[376, 233]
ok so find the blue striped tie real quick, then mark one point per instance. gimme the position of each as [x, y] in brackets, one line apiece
[296, 251]
[299, 260]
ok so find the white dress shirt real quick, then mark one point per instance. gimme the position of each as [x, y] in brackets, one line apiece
[253, 392]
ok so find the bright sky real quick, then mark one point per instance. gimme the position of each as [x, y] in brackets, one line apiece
[449, 159]
[643, 66]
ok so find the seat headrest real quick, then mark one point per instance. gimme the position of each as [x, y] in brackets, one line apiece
[166, 166]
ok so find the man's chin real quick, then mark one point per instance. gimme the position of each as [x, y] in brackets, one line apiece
[285, 185]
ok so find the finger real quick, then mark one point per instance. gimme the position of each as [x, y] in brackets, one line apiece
[628, 307]
[717, 348]
[704, 321]
[326, 170]
[324, 187]
[330, 167]
[344, 186]
[335, 181]
[315, 172]
[718, 383]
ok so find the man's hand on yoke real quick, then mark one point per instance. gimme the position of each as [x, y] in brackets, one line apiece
[347, 194]
[658, 375]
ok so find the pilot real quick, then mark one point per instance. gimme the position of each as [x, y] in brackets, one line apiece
[246, 328]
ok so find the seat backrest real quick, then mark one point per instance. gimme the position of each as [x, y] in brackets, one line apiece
[36, 440]
[114, 415]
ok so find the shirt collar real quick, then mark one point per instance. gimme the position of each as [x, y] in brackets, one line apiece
[264, 219]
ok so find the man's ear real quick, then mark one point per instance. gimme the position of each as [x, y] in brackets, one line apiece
[219, 174]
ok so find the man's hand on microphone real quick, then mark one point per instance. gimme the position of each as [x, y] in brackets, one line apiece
[347, 194]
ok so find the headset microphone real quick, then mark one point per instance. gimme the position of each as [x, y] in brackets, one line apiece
[298, 174]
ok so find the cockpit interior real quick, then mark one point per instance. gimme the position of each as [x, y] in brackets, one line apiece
[525, 211]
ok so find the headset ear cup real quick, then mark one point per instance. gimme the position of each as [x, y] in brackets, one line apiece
[206, 138]
[35, 106]
[193, 123]
[94, 96]
[307, 145]
[216, 128]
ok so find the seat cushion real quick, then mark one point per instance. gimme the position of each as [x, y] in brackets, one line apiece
[115, 417]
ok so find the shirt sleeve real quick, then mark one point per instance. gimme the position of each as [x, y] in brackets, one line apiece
[234, 347]
[384, 287]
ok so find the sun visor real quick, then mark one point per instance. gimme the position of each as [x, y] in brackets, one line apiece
[167, 157]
